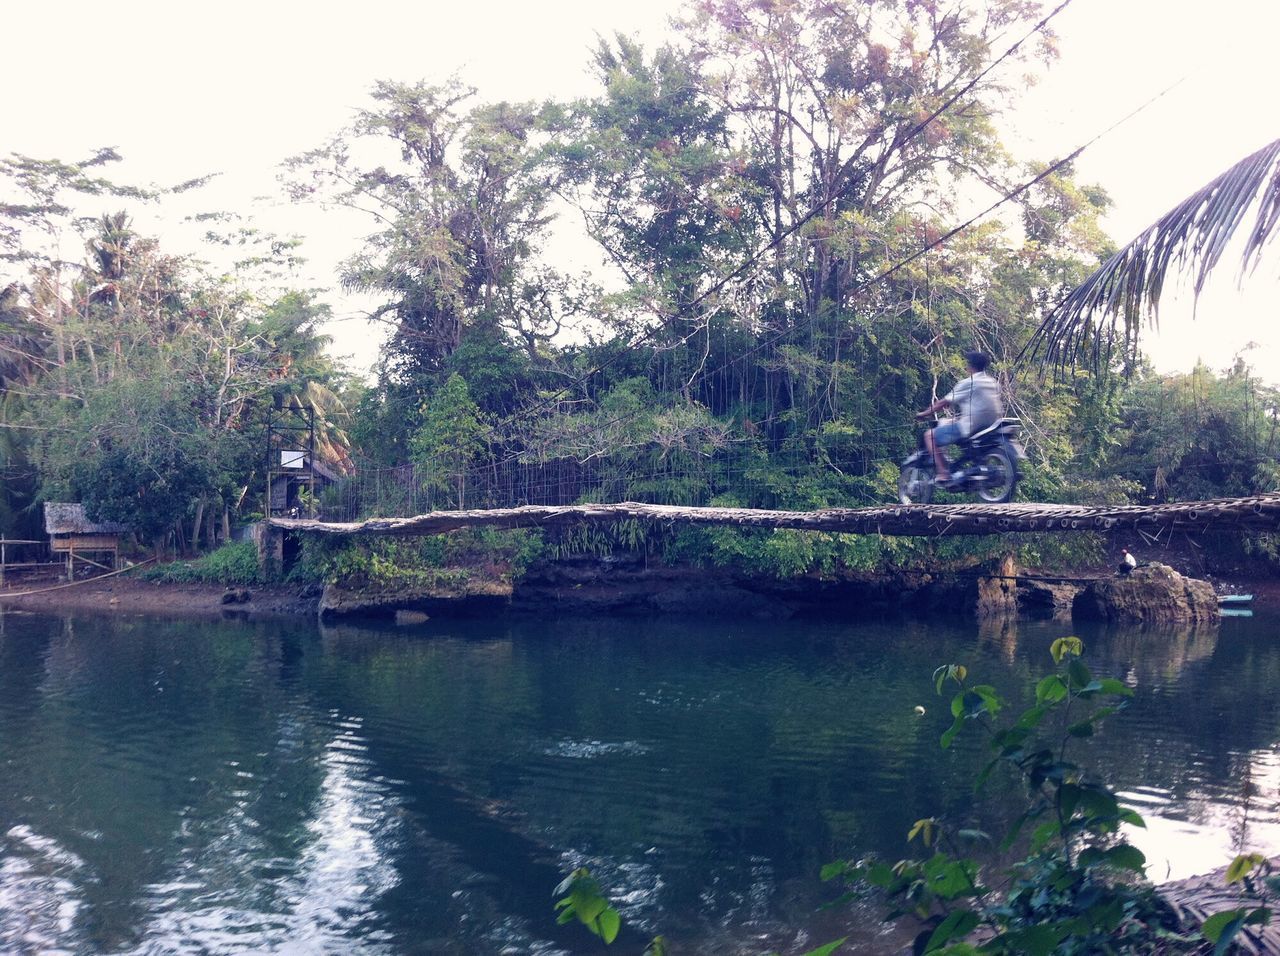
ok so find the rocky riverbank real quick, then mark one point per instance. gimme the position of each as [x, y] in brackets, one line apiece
[1155, 594]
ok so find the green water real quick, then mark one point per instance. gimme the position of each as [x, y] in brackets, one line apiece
[193, 787]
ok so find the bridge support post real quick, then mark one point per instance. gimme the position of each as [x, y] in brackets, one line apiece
[270, 542]
[998, 593]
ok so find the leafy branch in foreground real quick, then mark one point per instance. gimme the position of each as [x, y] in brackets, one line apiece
[1081, 886]
[583, 900]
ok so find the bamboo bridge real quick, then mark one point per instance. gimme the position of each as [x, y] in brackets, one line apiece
[1257, 513]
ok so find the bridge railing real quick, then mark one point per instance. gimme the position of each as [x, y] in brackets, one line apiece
[738, 476]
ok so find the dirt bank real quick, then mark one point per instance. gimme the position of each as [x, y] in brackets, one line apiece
[126, 595]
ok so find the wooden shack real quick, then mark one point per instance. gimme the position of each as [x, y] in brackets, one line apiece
[73, 534]
[299, 476]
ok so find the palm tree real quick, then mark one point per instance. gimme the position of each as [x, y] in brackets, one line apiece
[1193, 235]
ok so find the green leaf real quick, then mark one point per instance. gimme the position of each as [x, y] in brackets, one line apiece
[1081, 728]
[949, 878]
[1132, 817]
[1031, 718]
[831, 870]
[1241, 866]
[1098, 801]
[924, 828]
[1034, 940]
[1064, 646]
[880, 874]
[1126, 857]
[567, 883]
[1043, 834]
[949, 734]
[955, 672]
[1112, 686]
[1068, 799]
[1078, 673]
[609, 923]
[990, 699]
[957, 925]
[589, 907]
[1014, 829]
[985, 774]
[826, 949]
[1221, 928]
[1051, 690]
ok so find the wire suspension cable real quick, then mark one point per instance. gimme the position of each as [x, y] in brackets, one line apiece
[755, 257]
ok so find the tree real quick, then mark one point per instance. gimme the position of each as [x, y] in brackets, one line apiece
[449, 440]
[459, 205]
[136, 378]
[132, 453]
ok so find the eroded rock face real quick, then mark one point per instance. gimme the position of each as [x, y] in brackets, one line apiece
[1153, 593]
[1045, 599]
[471, 597]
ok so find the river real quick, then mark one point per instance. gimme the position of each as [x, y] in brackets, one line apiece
[228, 787]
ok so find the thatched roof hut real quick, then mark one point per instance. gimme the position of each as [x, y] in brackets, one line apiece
[62, 518]
[71, 532]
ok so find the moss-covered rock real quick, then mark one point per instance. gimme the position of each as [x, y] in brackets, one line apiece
[1153, 593]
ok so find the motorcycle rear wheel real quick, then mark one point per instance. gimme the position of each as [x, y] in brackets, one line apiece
[915, 485]
[1001, 477]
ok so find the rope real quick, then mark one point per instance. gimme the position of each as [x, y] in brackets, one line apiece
[58, 587]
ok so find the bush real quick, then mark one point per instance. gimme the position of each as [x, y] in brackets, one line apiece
[231, 564]
[438, 560]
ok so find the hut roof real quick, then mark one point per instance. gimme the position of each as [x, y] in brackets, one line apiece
[62, 517]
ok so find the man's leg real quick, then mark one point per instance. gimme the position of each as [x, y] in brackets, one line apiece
[947, 433]
[940, 465]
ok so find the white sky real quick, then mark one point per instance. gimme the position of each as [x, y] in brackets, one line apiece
[185, 89]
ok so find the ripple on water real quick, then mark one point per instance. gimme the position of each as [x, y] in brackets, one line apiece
[591, 749]
[389, 794]
[40, 893]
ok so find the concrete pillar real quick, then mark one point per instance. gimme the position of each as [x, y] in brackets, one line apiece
[998, 594]
[270, 542]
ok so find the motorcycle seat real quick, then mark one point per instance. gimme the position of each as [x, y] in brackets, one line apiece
[998, 423]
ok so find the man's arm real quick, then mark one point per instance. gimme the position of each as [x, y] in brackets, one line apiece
[937, 406]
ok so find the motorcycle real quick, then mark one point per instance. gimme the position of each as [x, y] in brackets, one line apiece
[987, 464]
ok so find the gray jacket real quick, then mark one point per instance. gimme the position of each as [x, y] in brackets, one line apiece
[976, 400]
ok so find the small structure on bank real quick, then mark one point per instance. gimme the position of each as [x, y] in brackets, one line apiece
[73, 534]
[292, 488]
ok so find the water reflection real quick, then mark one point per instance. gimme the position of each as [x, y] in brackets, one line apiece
[209, 787]
[39, 895]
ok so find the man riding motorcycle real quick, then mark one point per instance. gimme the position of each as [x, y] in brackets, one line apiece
[976, 400]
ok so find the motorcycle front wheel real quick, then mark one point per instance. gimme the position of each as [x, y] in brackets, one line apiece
[1001, 477]
[915, 485]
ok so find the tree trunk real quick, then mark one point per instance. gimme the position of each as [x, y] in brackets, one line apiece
[195, 525]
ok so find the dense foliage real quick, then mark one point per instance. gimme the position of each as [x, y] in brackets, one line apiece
[767, 191]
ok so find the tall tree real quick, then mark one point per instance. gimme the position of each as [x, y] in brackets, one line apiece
[458, 205]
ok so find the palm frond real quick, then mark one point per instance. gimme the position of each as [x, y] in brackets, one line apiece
[1193, 235]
